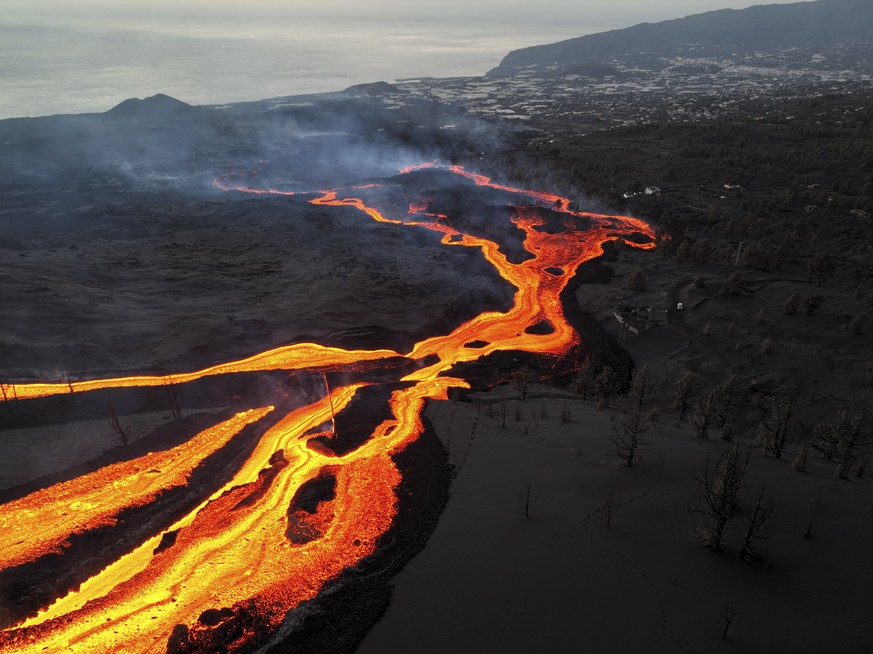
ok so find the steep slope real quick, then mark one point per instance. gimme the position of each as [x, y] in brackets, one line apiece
[763, 27]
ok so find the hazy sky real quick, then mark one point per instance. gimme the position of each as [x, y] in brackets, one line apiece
[606, 13]
[71, 56]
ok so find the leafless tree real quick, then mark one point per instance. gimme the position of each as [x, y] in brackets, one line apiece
[528, 496]
[122, 433]
[685, 390]
[640, 390]
[822, 267]
[636, 281]
[175, 409]
[727, 395]
[528, 427]
[522, 380]
[701, 416]
[8, 392]
[792, 304]
[502, 412]
[756, 515]
[815, 504]
[584, 381]
[799, 462]
[845, 439]
[719, 485]
[853, 442]
[776, 418]
[629, 435]
[813, 303]
[609, 508]
[727, 619]
[606, 385]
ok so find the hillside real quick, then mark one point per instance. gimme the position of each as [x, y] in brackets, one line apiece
[727, 31]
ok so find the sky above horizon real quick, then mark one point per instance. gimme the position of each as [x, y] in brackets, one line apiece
[604, 14]
[74, 56]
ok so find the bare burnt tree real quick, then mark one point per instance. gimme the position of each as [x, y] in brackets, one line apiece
[606, 384]
[685, 390]
[792, 304]
[640, 390]
[636, 281]
[821, 268]
[8, 392]
[528, 496]
[726, 396]
[815, 504]
[727, 619]
[629, 435]
[799, 462]
[756, 515]
[853, 442]
[777, 415]
[845, 439]
[502, 413]
[175, 409]
[584, 381]
[522, 380]
[826, 436]
[812, 304]
[122, 433]
[609, 508]
[720, 486]
[528, 427]
[701, 416]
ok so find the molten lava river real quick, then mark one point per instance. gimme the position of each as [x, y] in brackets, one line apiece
[246, 546]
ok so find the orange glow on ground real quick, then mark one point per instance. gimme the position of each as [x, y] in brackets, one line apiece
[233, 550]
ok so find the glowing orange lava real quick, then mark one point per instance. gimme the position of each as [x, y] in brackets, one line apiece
[233, 550]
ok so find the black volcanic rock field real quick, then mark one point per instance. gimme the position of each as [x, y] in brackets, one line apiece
[119, 254]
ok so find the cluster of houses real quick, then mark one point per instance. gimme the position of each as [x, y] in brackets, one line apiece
[640, 319]
[649, 190]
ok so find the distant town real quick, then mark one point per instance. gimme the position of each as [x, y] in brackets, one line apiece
[684, 89]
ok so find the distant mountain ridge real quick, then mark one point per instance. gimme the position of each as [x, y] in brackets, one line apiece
[722, 32]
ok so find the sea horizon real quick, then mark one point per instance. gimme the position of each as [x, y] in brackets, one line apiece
[84, 67]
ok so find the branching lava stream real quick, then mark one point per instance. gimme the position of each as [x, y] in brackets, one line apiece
[243, 548]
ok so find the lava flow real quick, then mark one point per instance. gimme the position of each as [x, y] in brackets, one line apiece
[226, 573]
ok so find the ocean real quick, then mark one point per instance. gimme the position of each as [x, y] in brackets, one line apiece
[78, 68]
